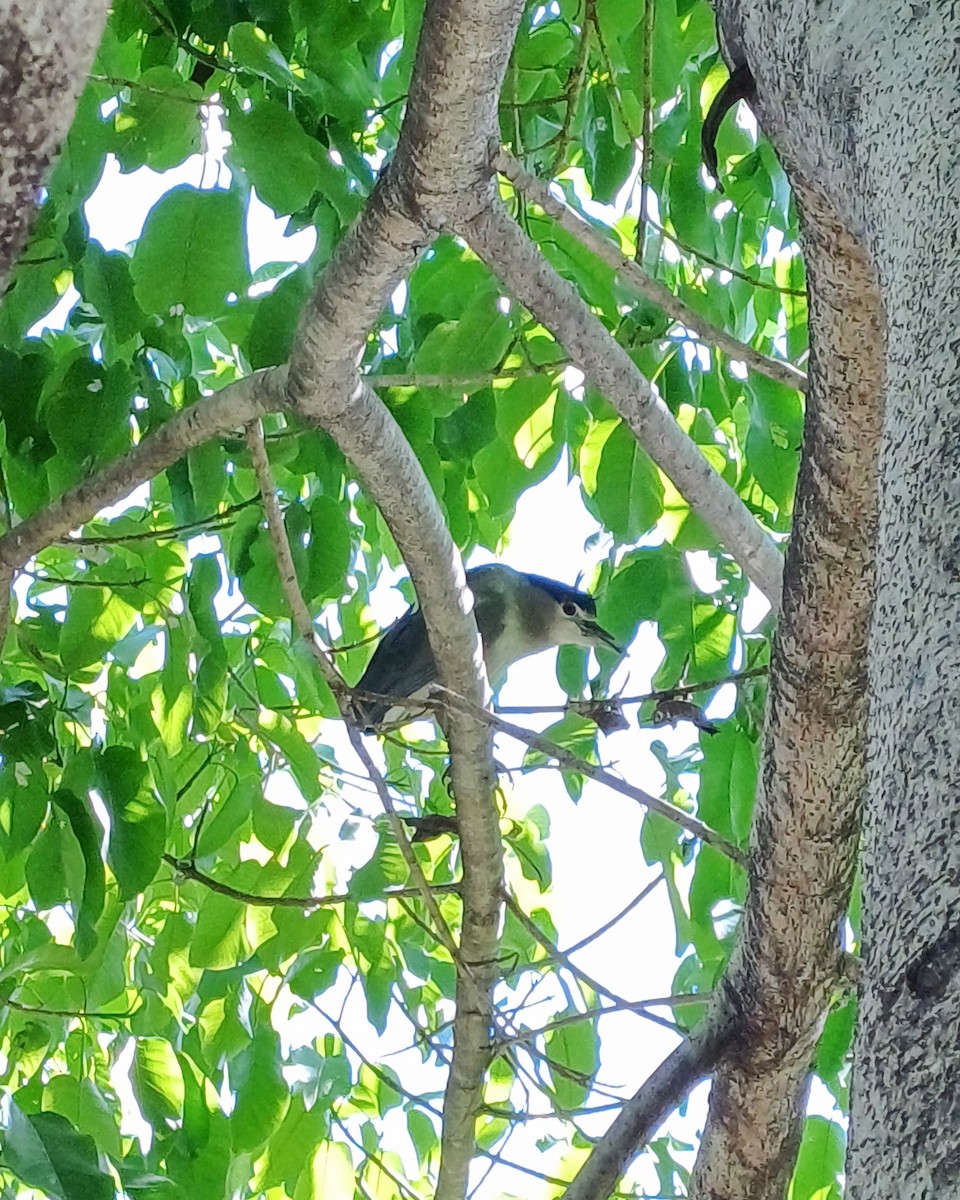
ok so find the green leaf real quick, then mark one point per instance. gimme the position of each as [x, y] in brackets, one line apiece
[221, 939]
[22, 808]
[157, 1080]
[284, 1153]
[196, 1114]
[89, 835]
[277, 156]
[628, 495]
[262, 1094]
[820, 1161]
[836, 1042]
[46, 1152]
[575, 1047]
[330, 1172]
[96, 620]
[329, 551]
[192, 252]
[138, 819]
[107, 285]
[275, 320]
[159, 124]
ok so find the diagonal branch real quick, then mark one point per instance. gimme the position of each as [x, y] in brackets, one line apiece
[442, 161]
[184, 867]
[556, 304]
[303, 624]
[645, 285]
[573, 762]
[233, 406]
[646, 1110]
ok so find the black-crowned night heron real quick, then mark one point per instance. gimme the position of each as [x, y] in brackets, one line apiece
[517, 614]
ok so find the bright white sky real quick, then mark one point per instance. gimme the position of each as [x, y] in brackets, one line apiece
[595, 844]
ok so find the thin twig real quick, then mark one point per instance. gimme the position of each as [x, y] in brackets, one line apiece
[646, 162]
[303, 623]
[188, 870]
[583, 707]
[80, 1013]
[572, 762]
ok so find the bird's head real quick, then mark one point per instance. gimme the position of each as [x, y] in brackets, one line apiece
[566, 616]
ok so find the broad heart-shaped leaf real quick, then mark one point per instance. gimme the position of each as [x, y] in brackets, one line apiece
[192, 252]
[276, 154]
[46, 1152]
[138, 819]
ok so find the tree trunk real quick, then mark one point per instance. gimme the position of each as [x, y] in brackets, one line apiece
[862, 104]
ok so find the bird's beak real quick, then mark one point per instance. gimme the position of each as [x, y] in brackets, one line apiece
[596, 633]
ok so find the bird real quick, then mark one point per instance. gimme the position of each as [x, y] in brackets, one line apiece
[517, 614]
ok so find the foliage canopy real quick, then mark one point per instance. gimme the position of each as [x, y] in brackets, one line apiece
[167, 762]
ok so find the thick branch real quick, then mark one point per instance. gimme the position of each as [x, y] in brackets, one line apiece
[555, 303]
[46, 49]
[217, 414]
[645, 285]
[807, 820]
[443, 152]
[452, 123]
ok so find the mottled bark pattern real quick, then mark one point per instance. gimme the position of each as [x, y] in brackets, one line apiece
[807, 822]
[45, 54]
[906, 1101]
[863, 105]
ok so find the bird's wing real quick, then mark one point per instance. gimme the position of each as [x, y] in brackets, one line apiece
[401, 665]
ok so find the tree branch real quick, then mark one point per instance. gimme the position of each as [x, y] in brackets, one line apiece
[303, 624]
[234, 405]
[645, 285]
[572, 762]
[807, 820]
[638, 1120]
[555, 303]
[188, 870]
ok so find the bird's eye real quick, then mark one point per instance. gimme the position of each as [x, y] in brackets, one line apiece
[570, 609]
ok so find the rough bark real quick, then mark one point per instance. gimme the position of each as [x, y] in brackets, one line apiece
[905, 1110]
[45, 53]
[441, 178]
[862, 105]
[443, 154]
[645, 285]
[804, 843]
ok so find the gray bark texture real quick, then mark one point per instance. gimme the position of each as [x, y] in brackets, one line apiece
[862, 104]
[45, 53]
